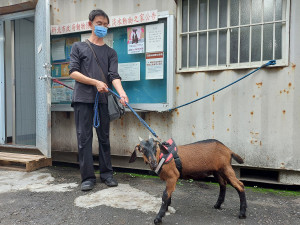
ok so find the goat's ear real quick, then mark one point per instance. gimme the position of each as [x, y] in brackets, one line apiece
[133, 157]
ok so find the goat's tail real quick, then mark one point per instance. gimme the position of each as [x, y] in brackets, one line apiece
[237, 158]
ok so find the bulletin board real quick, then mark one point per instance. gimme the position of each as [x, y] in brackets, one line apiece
[151, 89]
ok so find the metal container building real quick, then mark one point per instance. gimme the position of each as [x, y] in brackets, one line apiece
[258, 117]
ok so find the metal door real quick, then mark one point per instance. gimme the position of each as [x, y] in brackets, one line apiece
[42, 77]
[2, 85]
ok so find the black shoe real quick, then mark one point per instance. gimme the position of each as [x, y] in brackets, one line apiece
[87, 185]
[111, 182]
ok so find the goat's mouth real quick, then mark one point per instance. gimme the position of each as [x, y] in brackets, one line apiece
[153, 165]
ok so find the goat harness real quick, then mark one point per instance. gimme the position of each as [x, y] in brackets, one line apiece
[172, 150]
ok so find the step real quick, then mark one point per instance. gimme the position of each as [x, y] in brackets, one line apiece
[23, 162]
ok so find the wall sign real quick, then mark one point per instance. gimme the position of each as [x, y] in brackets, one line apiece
[115, 21]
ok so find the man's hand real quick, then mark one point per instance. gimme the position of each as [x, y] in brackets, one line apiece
[101, 86]
[124, 99]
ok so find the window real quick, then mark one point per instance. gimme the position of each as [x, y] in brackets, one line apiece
[227, 34]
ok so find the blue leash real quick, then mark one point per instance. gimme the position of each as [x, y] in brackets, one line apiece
[96, 114]
[140, 119]
[271, 62]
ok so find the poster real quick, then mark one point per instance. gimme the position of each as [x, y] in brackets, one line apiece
[108, 39]
[69, 43]
[135, 40]
[61, 94]
[129, 71]
[154, 65]
[155, 37]
[58, 49]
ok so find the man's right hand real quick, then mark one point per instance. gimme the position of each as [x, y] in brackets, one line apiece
[101, 86]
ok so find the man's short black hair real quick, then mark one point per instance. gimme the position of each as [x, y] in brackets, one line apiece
[97, 12]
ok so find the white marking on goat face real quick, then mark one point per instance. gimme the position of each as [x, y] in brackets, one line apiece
[124, 196]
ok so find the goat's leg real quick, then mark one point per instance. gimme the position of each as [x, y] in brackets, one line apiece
[239, 186]
[166, 200]
[222, 193]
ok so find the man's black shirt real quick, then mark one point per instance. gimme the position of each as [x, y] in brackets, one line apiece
[83, 60]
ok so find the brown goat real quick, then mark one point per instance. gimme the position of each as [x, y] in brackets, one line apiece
[198, 160]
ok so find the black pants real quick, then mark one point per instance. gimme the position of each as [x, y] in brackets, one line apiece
[84, 113]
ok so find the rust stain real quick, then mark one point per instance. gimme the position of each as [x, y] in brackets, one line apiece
[214, 80]
[213, 113]
[283, 112]
[177, 113]
[284, 90]
[251, 113]
[193, 134]
[259, 84]
[280, 92]
[290, 84]
[95, 5]
[138, 5]
[197, 93]
[293, 66]
[58, 20]
[227, 129]
[229, 115]
[282, 166]
[251, 142]
[75, 1]
[122, 121]
[253, 96]
[260, 143]
[213, 98]
[287, 92]
[57, 10]
[124, 135]
[177, 89]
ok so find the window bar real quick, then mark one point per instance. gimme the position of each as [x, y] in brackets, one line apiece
[228, 35]
[274, 18]
[207, 34]
[188, 37]
[218, 24]
[250, 38]
[262, 31]
[239, 34]
[198, 28]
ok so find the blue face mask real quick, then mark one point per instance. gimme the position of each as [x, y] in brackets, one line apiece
[100, 31]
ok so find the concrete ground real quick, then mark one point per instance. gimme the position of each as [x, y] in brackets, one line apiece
[53, 196]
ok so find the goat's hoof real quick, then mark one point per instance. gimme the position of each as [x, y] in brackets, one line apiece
[242, 216]
[157, 221]
[217, 206]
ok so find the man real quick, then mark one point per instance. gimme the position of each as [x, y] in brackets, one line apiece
[86, 73]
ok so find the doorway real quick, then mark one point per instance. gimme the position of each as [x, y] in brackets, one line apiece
[20, 104]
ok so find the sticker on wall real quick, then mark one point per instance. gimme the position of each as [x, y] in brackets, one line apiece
[155, 37]
[135, 40]
[129, 71]
[154, 65]
[58, 49]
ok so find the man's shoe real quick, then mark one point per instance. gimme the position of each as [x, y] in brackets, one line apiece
[111, 182]
[87, 185]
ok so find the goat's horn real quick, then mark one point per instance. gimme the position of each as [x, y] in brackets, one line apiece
[141, 139]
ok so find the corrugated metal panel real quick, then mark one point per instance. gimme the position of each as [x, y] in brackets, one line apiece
[81, 8]
[258, 118]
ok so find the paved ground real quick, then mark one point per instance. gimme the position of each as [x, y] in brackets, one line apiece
[192, 200]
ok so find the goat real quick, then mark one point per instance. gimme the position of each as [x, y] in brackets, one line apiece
[198, 160]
